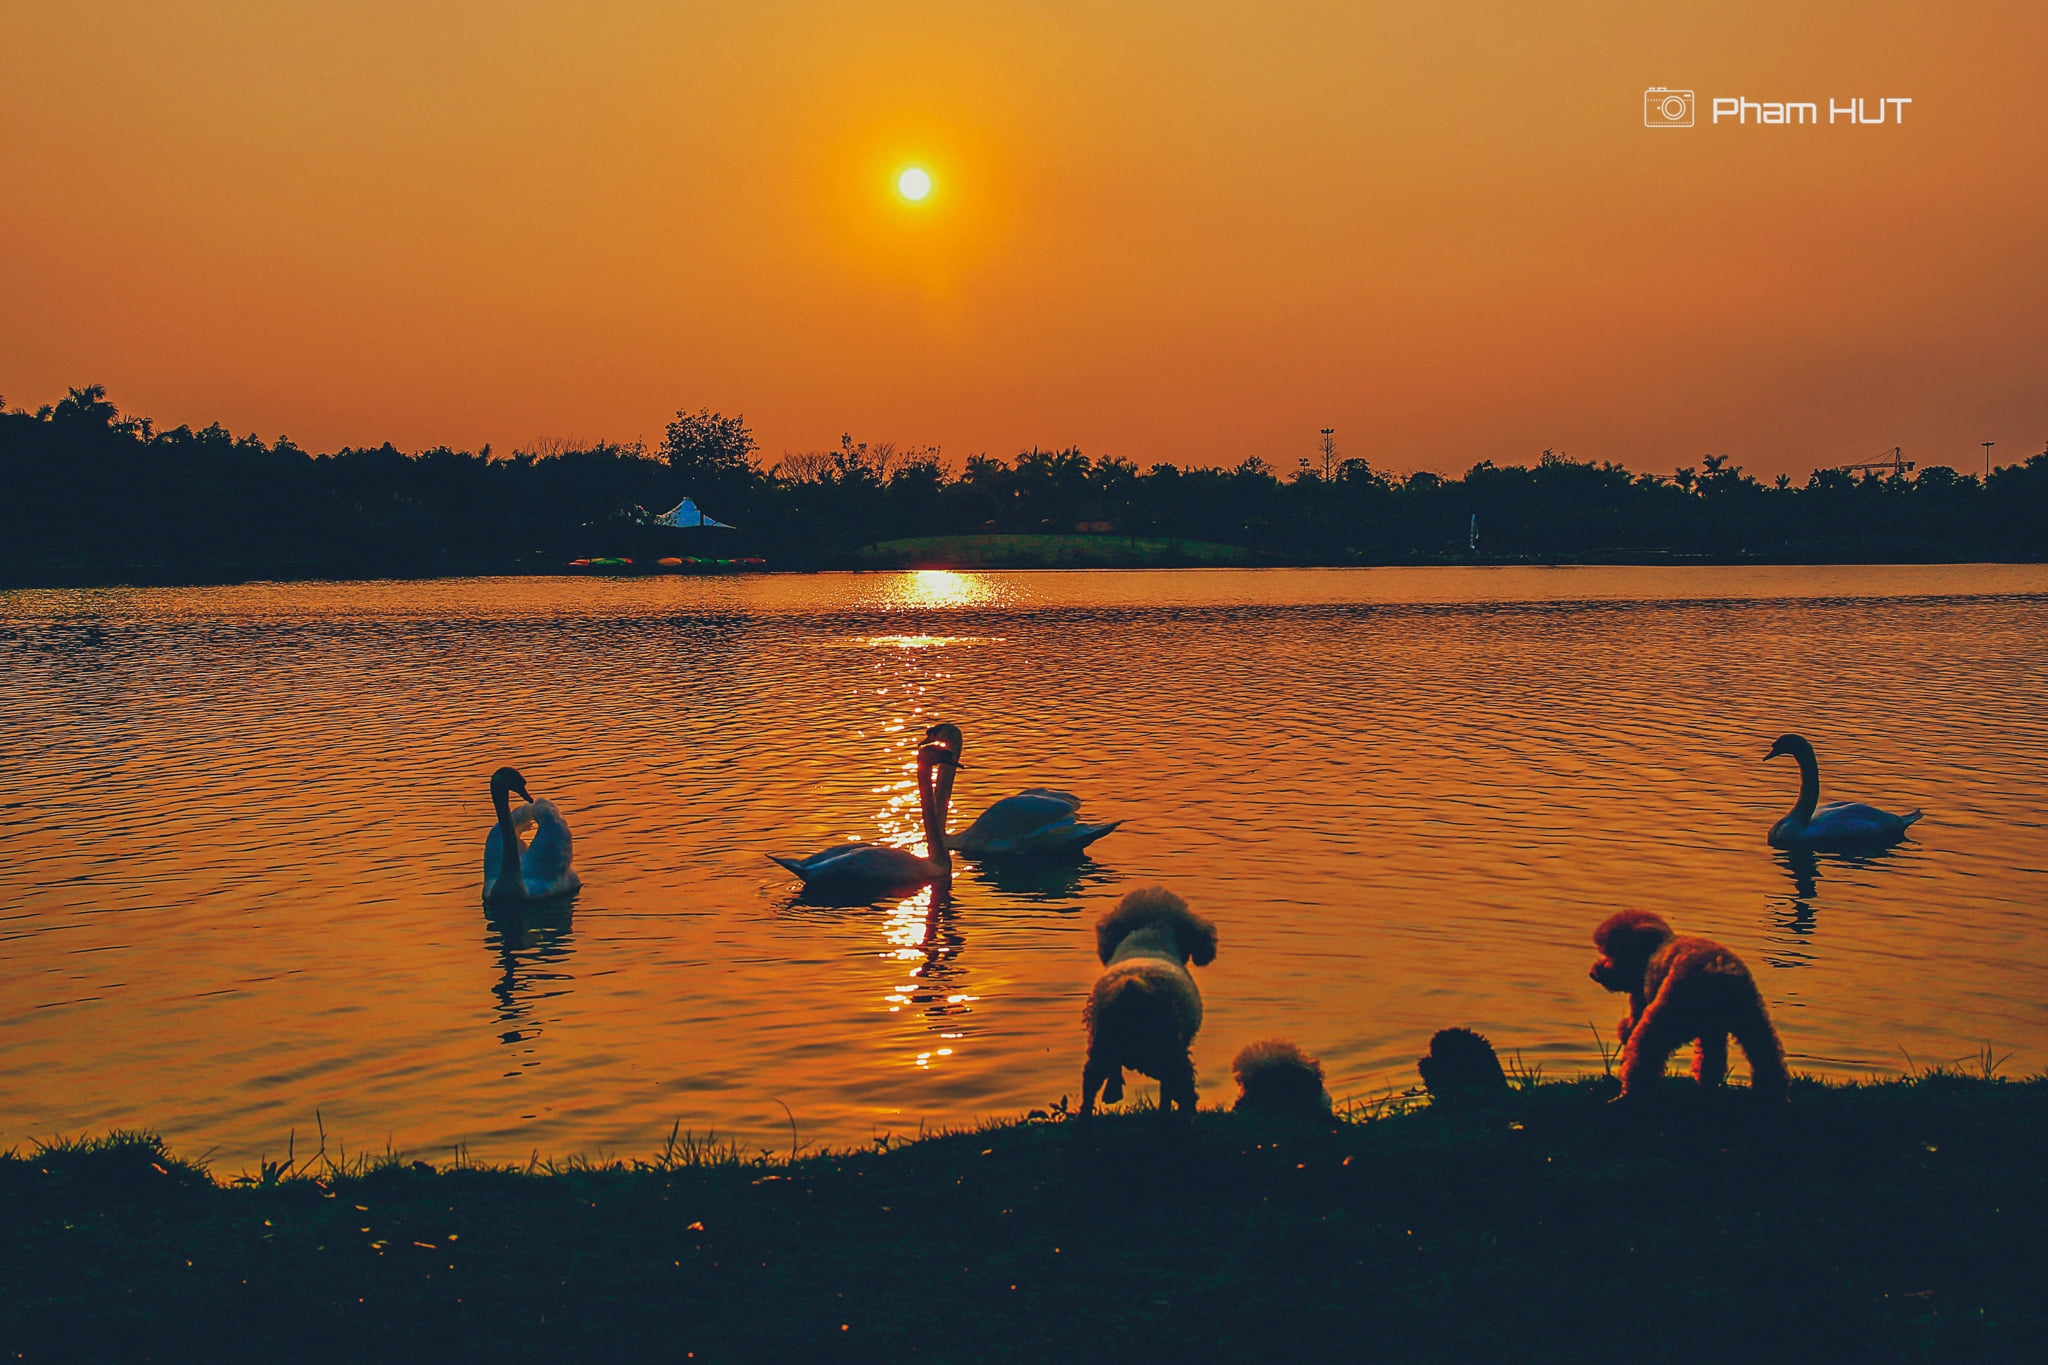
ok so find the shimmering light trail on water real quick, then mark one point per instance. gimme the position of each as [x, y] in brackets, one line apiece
[244, 830]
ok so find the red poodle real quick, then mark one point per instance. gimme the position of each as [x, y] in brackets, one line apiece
[1682, 990]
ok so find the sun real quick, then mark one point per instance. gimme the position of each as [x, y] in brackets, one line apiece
[914, 184]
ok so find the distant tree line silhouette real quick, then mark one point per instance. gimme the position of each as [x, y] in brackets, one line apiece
[92, 495]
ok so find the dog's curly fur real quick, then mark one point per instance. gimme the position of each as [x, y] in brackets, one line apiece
[1145, 1010]
[1276, 1077]
[1460, 1062]
[1683, 990]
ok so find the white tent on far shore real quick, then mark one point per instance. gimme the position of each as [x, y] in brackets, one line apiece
[686, 513]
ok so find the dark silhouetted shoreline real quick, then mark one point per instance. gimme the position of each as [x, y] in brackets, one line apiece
[95, 497]
[1888, 1221]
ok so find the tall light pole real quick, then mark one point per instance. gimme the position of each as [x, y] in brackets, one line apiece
[1329, 451]
[1987, 460]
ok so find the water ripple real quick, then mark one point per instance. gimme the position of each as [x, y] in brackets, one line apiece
[244, 829]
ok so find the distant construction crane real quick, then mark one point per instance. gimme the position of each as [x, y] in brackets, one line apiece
[1897, 464]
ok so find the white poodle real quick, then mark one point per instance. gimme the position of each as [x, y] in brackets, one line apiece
[1145, 1010]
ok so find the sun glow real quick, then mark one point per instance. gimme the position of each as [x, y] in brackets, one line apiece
[914, 184]
[926, 588]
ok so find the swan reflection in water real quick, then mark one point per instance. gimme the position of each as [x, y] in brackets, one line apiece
[920, 929]
[922, 934]
[909, 877]
[1794, 920]
[1040, 880]
[533, 942]
[922, 939]
[925, 938]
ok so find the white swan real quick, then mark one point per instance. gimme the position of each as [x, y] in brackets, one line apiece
[874, 869]
[1838, 823]
[1037, 821]
[540, 870]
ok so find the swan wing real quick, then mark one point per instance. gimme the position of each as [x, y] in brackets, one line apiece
[1854, 822]
[545, 865]
[860, 864]
[1035, 821]
[818, 862]
[1068, 799]
[1013, 819]
[1066, 836]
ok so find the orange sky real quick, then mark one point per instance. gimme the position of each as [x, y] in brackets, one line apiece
[1169, 231]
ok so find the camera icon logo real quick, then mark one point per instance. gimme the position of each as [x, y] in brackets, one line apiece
[1667, 108]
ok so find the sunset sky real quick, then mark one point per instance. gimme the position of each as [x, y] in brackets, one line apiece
[1167, 231]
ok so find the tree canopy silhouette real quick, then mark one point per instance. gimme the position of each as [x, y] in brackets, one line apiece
[95, 495]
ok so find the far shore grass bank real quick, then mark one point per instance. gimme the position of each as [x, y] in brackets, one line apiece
[1056, 552]
[1903, 1220]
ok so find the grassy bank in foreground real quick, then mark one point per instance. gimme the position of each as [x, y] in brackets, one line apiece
[1901, 1220]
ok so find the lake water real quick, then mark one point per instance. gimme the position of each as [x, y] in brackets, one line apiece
[243, 834]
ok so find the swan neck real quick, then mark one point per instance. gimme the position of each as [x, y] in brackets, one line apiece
[934, 796]
[511, 883]
[1809, 787]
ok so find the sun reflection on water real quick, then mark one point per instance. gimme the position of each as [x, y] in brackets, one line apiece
[919, 932]
[901, 822]
[904, 930]
[924, 641]
[942, 588]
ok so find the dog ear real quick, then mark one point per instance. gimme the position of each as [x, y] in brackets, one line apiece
[1198, 940]
[1110, 930]
[1113, 930]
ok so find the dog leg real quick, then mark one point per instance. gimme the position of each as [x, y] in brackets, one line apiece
[1179, 1088]
[1092, 1078]
[1710, 1058]
[1656, 1035]
[1759, 1043]
[1113, 1092]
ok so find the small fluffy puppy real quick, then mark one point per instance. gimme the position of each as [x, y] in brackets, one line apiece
[1145, 1010]
[1460, 1062]
[1276, 1077]
[1682, 990]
